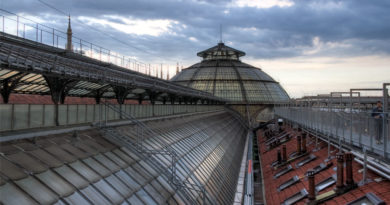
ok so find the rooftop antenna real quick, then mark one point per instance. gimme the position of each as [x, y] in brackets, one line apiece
[220, 33]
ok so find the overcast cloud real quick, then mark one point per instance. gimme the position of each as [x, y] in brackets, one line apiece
[267, 30]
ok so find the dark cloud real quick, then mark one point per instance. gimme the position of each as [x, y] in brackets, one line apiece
[261, 32]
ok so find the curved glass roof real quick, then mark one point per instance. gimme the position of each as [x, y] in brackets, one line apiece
[224, 75]
[89, 169]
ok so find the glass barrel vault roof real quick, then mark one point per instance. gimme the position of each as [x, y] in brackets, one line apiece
[224, 75]
[62, 169]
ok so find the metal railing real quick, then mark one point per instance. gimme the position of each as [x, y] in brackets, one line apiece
[25, 59]
[249, 189]
[344, 126]
[15, 117]
[31, 30]
[347, 124]
[142, 133]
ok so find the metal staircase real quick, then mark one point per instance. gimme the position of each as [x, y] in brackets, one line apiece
[142, 131]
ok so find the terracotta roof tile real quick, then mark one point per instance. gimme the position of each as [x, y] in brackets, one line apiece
[381, 189]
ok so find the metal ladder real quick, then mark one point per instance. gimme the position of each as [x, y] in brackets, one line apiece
[143, 130]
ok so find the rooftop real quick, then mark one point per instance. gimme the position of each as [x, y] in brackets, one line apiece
[378, 185]
[87, 167]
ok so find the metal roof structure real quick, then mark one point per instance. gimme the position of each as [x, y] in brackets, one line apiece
[221, 51]
[86, 168]
[223, 74]
[34, 68]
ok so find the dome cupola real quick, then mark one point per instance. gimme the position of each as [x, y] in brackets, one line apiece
[223, 74]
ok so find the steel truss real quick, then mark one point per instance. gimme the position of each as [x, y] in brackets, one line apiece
[23, 57]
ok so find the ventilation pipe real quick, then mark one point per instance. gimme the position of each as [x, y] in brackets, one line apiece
[304, 142]
[312, 192]
[340, 171]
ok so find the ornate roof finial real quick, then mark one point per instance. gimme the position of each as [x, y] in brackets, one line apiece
[69, 46]
[69, 28]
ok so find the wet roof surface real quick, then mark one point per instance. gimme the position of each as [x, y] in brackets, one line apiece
[273, 196]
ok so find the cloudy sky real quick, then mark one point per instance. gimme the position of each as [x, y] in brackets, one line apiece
[310, 47]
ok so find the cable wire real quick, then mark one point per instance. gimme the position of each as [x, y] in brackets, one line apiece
[101, 32]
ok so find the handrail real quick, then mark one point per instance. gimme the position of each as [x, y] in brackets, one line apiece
[41, 62]
[142, 131]
[351, 129]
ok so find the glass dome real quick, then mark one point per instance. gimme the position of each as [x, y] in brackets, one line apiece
[223, 74]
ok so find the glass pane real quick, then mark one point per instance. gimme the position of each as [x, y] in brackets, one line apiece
[5, 116]
[57, 184]
[160, 189]
[94, 196]
[81, 114]
[10, 194]
[123, 156]
[127, 179]
[135, 175]
[109, 192]
[20, 116]
[86, 172]
[35, 189]
[90, 113]
[76, 199]
[49, 115]
[116, 159]
[72, 177]
[96, 166]
[152, 192]
[145, 197]
[36, 115]
[119, 186]
[135, 200]
[107, 162]
[72, 114]
[62, 114]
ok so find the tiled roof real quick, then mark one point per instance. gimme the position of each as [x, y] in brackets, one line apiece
[273, 196]
[87, 169]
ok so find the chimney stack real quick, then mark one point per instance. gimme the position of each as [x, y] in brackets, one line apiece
[348, 162]
[312, 192]
[284, 153]
[340, 171]
[304, 142]
[279, 157]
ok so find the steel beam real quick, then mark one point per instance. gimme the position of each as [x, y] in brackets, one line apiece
[31, 59]
[9, 84]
